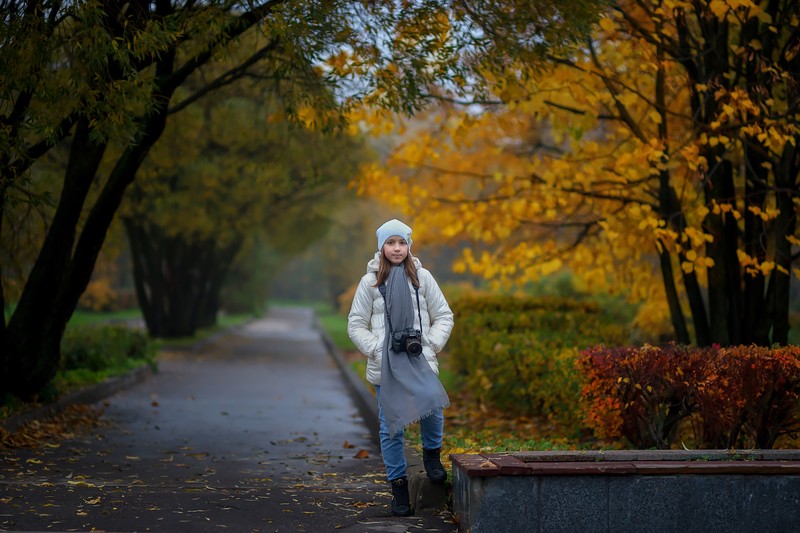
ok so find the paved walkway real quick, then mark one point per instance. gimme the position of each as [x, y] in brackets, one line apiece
[254, 432]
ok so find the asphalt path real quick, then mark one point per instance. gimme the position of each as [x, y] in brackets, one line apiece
[255, 431]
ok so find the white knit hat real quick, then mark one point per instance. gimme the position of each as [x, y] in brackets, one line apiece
[392, 228]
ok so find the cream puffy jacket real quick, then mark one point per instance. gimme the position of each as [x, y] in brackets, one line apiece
[366, 322]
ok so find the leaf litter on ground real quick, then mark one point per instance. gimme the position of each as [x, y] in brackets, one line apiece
[49, 432]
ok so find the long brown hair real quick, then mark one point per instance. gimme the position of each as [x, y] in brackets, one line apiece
[385, 266]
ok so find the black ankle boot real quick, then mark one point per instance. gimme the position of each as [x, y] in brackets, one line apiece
[400, 504]
[433, 465]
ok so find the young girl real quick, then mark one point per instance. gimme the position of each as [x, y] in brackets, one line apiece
[400, 320]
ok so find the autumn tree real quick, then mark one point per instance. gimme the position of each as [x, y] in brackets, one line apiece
[89, 76]
[742, 69]
[658, 158]
[98, 76]
[102, 76]
[229, 169]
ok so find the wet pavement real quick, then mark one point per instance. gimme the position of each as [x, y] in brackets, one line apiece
[255, 431]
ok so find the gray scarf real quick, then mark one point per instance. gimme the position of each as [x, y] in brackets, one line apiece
[410, 389]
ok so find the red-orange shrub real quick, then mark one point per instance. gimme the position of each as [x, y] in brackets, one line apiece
[742, 396]
[639, 393]
[750, 397]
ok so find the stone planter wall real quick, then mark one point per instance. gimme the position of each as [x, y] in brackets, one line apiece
[619, 491]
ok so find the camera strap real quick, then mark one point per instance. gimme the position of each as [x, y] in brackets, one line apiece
[382, 289]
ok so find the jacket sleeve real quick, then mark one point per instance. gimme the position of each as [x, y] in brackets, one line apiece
[360, 318]
[441, 316]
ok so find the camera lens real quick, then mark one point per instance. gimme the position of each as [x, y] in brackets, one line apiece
[413, 347]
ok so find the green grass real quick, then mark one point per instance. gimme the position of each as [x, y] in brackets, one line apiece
[496, 443]
[319, 306]
[83, 318]
[68, 380]
[336, 326]
[223, 322]
[359, 366]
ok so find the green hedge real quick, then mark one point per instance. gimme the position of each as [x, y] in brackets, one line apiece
[99, 348]
[519, 352]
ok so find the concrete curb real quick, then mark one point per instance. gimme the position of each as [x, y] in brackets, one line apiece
[109, 387]
[422, 492]
[365, 401]
[89, 395]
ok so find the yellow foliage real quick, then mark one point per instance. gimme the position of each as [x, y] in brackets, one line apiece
[551, 183]
[99, 295]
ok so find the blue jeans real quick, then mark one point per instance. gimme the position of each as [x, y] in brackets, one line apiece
[394, 459]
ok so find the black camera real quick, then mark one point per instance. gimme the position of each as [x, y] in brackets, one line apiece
[408, 340]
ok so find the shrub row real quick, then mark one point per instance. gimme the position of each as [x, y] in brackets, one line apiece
[519, 352]
[735, 397]
[97, 348]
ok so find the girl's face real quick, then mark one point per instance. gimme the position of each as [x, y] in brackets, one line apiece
[395, 249]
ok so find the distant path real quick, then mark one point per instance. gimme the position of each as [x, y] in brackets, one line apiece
[254, 432]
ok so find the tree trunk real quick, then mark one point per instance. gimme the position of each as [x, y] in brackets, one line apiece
[785, 225]
[209, 308]
[716, 183]
[755, 324]
[724, 291]
[144, 261]
[3, 355]
[30, 345]
[178, 282]
[675, 311]
[33, 338]
[670, 211]
[60, 275]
